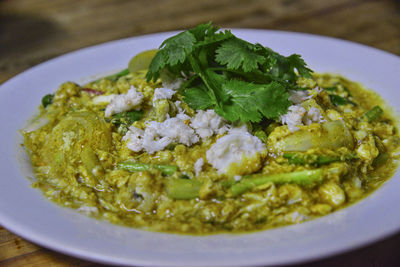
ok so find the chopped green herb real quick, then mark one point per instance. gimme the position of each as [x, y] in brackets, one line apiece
[373, 114]
[47, 100]
[125, 119]
[340, 101]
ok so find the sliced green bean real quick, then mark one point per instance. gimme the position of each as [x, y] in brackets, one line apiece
[116, 76]
[301, 159]
[137, 167]
[373, 114]
[305, 178]
[183, 188]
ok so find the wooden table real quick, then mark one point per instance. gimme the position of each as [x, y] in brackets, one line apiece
[33, 31]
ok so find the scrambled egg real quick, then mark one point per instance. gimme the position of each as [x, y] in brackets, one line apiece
[135, 154]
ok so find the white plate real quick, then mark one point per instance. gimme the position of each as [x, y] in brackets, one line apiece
[24, 211]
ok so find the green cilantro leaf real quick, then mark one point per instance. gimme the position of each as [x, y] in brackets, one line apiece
[216, 38]
[286, 67]
[172, 51]
[252, 102]
[156, 65]
[197, 97]
[236, 53]
[177, 47]
[297, 62]
[202, 31]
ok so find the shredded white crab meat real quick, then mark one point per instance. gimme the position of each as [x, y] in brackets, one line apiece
[313, 115]
[162, 93]
[124, 102]
[181, 113]
[293, 117]
[159, 135]
[208, 123]
[297, 115]
[233, 147]
[298, 96]
[198, 166]
[172, 84]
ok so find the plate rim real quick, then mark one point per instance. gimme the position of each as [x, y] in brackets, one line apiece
[96, 258]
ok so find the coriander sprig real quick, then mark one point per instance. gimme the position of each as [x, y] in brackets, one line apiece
[239, 80]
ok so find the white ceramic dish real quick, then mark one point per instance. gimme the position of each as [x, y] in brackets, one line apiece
[26, 212]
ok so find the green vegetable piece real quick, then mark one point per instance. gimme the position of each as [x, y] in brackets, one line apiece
[47, 100]
[261, 135]
[372, 115]
[116, 76]
[126, 117]
[137, 167]
[381, 159]
[331, 89]
[228, 183]
[304, 178]
[332, 135]
[92, 165]
[340, 101]
[296, 158]
[166, 169]
[183, 188]
[322, 159]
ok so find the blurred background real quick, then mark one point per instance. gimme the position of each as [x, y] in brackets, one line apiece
[33, 31]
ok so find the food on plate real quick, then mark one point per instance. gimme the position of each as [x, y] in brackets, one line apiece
[209, 134]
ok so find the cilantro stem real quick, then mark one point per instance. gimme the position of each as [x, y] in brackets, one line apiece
[258, 77]
[190, 81]
[197, 69]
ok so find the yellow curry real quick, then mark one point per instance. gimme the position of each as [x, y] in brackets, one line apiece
[165, 148]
